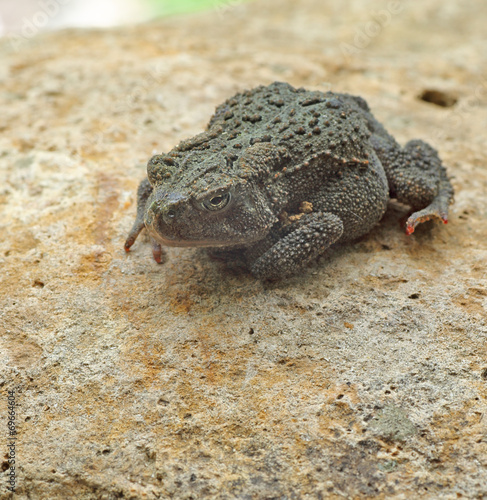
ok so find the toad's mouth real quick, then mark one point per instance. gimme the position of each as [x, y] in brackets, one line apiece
[192, 243]
[208, 243]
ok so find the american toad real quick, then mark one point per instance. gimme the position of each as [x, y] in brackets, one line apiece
[281, 174]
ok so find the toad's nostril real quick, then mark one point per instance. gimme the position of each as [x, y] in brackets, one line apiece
[169, 214]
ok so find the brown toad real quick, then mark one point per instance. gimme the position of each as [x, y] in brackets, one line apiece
[281, 174]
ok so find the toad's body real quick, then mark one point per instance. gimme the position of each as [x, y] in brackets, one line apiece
[281, 174]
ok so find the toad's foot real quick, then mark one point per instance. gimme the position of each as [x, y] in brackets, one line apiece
[134, 232]
[438, 209]
[157, 252]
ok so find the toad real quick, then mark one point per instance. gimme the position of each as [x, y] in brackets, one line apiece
[280, 175]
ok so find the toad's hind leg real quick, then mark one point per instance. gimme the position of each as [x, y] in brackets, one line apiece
[416, 177]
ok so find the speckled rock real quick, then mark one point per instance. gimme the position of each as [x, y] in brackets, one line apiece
[365, 377]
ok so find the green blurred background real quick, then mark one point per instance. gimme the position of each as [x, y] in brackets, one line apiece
[169, 7]
[26, 16]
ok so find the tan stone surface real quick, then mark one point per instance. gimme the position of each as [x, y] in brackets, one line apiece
[364, 378]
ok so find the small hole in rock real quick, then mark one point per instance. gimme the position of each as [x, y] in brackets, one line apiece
[414, 296]
[483, 373]
[38, 284]
[438, 97]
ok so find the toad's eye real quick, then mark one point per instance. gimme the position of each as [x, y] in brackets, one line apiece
[217, 202]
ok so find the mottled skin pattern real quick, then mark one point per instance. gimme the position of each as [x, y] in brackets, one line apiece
[281, 174]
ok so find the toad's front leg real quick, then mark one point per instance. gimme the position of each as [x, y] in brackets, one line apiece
[312, 235]
[143, 193]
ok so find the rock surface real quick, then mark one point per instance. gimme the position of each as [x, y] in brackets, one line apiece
[366, 377]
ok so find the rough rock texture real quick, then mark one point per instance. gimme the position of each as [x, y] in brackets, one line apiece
[367, 377]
